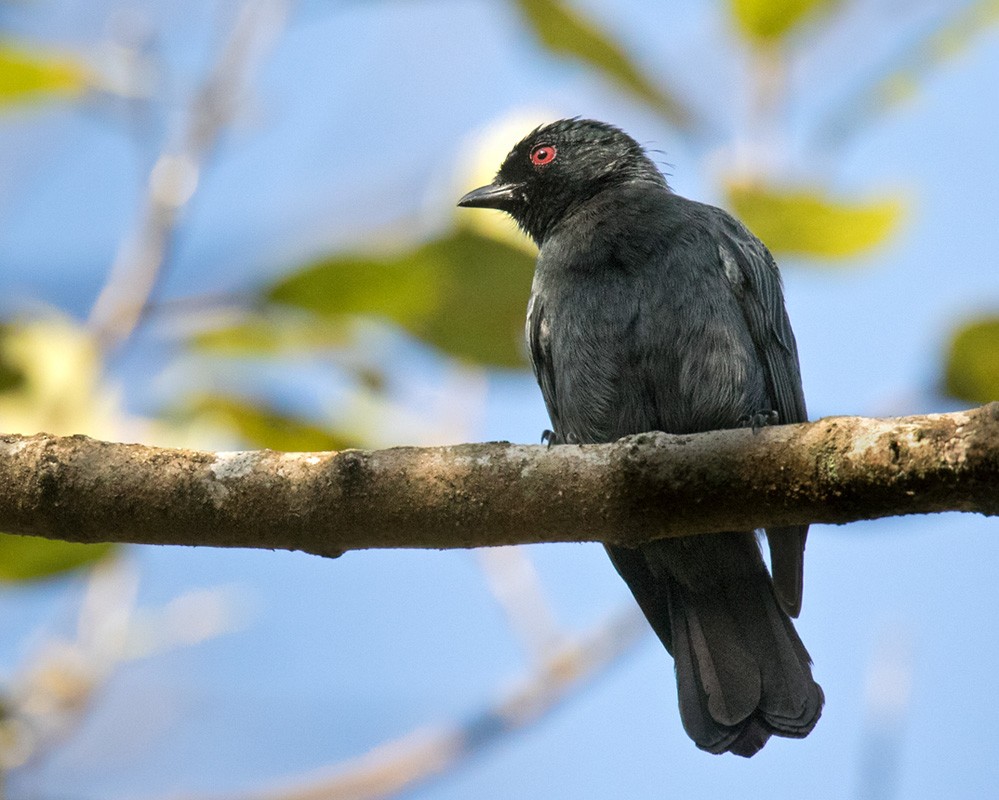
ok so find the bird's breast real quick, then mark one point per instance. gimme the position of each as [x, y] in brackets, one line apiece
[643, 348]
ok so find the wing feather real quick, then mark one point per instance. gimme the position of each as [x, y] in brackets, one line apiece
[761, 297]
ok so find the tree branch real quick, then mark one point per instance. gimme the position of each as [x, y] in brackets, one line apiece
[838, 469]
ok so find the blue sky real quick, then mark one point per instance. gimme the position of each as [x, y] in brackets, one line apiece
[357, 116]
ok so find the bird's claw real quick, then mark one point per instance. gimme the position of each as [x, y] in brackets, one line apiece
[760, 420]
[551, 438]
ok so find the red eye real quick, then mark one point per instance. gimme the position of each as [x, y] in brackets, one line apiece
[543, 154]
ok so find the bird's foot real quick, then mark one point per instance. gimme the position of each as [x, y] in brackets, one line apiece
[550, 437]
[760, 420]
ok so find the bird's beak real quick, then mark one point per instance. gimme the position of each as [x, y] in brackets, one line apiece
[495, 195]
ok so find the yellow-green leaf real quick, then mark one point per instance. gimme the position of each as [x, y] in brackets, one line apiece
[955, 37]
[566, 32]
[806, 221]
[403, 289]
[465, 294]
[771, 20]
[272, 331]
[972, 365]
[260, 425]
[27, 77]
[55, 381]
[12, 375]
[29, 558]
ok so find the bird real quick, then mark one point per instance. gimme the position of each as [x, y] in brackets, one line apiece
[652, 312]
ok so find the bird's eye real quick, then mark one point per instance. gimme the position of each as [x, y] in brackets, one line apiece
[543, 154]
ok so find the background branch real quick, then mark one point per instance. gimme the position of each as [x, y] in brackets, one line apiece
[402, 763]
[838, 469]
[175, 176]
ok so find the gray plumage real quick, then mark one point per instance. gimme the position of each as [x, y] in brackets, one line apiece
[653, 312]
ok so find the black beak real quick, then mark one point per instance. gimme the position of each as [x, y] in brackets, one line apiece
[495, 195]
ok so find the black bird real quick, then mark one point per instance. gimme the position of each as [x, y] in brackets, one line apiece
[651, 312]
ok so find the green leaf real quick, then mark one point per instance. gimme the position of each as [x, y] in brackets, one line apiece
[12, 376]
[30, 558]
[807, 222]
[273, 331]
[565, 32]
[27, 77]
[466, 294]
[767, 21]
[402, 289]
[262, 426]
[972, 363]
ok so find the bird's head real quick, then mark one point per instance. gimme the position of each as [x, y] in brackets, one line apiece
[559, 166]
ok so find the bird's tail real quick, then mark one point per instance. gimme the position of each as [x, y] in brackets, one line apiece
[742, 673]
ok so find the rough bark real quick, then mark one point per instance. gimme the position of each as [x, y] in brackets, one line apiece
[653, 485]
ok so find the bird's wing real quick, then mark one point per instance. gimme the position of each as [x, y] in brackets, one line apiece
[757, 283]
[539, 344]
[758, 286]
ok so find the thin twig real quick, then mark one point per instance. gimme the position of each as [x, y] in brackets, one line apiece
[425, 753]
[896, 79]
[175, 176]
[514, 581]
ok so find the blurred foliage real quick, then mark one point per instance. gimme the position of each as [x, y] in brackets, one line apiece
[261, 426]
[54, 381]
[766, 21]
[274, 330]
[955, 37]
[941, 45]
[12, 375]
[464, 293]
[804, 221]
[29, 77]
[972, 361]
[50, 381]
[29, 558]
[915, 63]
[564, 31]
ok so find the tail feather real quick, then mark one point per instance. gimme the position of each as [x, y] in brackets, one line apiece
[711, 709]
[742, 673]
[728, 671]
[800, 704]
[787, 561]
